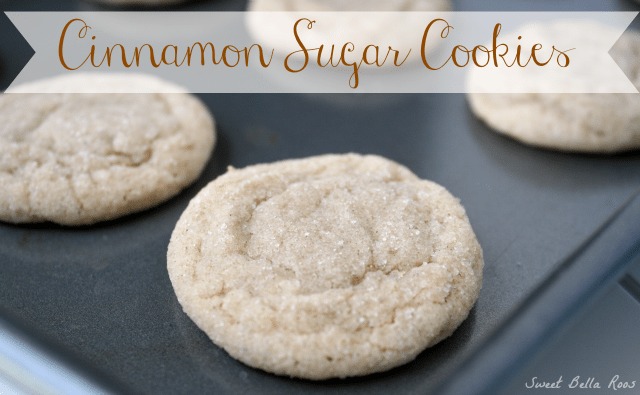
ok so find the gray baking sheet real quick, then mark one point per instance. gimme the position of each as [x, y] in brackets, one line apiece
[101, 294]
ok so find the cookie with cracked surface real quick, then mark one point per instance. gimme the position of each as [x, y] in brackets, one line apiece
[574, 122]
[330, 266]
[81, 158]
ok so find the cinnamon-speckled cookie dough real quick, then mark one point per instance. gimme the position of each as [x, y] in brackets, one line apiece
[595, 123]
[331, 266]
[80, 158]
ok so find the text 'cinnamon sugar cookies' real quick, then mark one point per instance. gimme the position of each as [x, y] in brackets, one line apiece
[331, 266]
[81, 158]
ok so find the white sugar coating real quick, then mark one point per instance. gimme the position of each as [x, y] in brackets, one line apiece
[596, 123]
[81, 158]
[331, 266]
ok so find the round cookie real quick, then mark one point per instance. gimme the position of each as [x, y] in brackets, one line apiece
[150, 3]
[81, 158]
[353, 5]
[398, 30]
[591, 123]
[330, 266]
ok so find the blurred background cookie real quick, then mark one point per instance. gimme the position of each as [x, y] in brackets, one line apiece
[356, 5]
[591, 122]
[146, 3]
[81, 158]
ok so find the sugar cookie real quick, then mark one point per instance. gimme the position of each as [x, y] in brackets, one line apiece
[150, 3]
[595, 123]
[353, 5]
[80, 158]
[330, 266]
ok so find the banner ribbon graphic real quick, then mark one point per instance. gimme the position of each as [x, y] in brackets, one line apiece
[337, 52]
